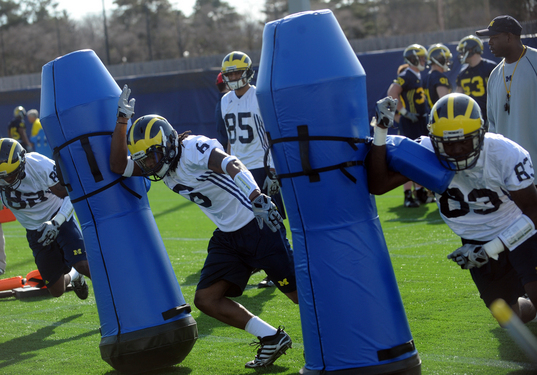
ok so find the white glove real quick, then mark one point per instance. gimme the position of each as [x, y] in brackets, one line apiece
[50, 232]
[385, 111]
[469, 256]
[265, 211]
[272, 187]
[409, 115]
[125, 107]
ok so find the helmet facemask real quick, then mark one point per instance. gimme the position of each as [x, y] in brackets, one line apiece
[12, 180]
[461, 161]
[245, 79]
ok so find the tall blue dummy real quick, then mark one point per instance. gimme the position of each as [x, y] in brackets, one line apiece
[145, 322]
[311, 90]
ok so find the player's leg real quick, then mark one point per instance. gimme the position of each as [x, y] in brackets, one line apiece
[524, 261]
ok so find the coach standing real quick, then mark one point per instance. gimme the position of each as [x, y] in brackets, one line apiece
[512, 86]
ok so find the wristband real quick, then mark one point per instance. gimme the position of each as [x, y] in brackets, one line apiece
[226, 161]
[403, 111]
[245, 181]
[129, 168]
[66, 210]
[493, 248]
[379, 136]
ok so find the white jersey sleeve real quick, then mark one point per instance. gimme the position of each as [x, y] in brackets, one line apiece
[216, 194]
[477, 204]
[32, 202]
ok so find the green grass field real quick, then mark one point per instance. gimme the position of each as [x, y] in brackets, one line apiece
[453, 331]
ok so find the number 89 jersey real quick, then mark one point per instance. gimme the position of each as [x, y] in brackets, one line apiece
[245, 127]
[216, 194]
[477, 205]
[32, 202]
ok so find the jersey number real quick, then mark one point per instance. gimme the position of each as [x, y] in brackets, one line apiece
[198, 198]
[454, 194]
[474, 86]
[18, 201]
[247, 133]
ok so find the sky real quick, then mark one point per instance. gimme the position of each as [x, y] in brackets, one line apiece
[77, 9]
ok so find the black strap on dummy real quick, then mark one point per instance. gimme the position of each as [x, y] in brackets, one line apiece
[176, 311]
[303, 138]
[92, 162]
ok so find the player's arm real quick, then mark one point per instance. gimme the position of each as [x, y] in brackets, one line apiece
[24, 136]
[51, 228]
[120, 162]
[442, 91]
[459, 89]
[395, 91]
[262, 207]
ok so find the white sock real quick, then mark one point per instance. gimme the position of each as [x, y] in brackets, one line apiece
[74, 274]
[259, 328]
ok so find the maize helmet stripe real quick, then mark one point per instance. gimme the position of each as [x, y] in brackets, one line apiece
[147, 141]
[8, 166]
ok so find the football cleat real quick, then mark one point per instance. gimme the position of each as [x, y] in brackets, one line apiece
[270, 348]
[265, 283]
[80, 287]
[409, 199]
[424, 196]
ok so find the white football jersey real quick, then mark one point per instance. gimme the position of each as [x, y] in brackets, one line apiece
[32, 202]
[477, 205]
[245, 127]
[216, 194]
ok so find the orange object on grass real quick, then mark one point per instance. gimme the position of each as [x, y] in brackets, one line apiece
[11, 283]
[6, 215]
[34, 279]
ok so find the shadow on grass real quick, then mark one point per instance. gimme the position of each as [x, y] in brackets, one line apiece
[510, 351]
[172, 209]
[424, 213]
[22, 348]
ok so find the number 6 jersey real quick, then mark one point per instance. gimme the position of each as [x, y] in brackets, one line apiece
[477, 205]
[215, 193]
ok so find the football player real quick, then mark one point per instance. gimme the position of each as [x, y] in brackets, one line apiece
[491, 203]
[245, 128]
[248, 223]
[30, 188]
[436, 83]
[475, 71]
[16, 128]
[412, 109]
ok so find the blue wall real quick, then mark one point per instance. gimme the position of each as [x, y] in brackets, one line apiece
[188, 100]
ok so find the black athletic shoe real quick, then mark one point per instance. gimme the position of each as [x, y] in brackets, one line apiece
[424, 196]
[270, 349]
[265, 283]
[80, 287]
[409, 199]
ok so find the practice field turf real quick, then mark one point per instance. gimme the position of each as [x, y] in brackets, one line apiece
[453, 331]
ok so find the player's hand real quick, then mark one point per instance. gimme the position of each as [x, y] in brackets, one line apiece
[469, 256]
[385, 111]
[265, 211]
[50, 232]
[272, 187]
[409, 115]
[125, 107]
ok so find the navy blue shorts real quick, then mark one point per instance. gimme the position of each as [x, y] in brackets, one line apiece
[55, 260]
[233, 255]
[505, 278]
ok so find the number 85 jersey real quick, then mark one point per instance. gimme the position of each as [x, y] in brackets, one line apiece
[477, 205]
[216, 194]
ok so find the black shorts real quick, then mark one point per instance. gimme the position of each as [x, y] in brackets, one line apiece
[505, 278]
[55, 260]
[233, 255]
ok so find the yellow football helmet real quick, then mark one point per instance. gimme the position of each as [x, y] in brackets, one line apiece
[152, 142]
[235, 62]
[440, 55]
[19, 112]
[456, 118]
[12, 163]
[469, 46]
[413, 53]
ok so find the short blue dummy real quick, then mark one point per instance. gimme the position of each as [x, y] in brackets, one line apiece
[311, 90]
[145, 322]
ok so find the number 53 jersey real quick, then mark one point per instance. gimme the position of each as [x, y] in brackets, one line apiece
[477, 205]
[216, 194]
